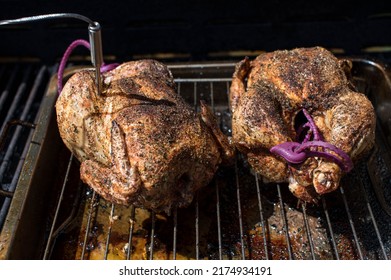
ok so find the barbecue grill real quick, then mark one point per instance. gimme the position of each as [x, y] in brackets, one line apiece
[48, 213]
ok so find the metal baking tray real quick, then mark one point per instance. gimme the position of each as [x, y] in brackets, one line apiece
[55, 216]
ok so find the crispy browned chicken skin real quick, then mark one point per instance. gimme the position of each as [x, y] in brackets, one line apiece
[266, 97]
[139, 142]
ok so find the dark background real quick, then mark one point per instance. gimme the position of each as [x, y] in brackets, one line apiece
[200, 30]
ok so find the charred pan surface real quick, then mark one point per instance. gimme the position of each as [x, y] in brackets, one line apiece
[139, 142]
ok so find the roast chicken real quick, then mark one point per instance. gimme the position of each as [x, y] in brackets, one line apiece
[138, 141]
[276, 95]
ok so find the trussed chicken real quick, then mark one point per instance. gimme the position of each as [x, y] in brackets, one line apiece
[139, 142]
[269, 96]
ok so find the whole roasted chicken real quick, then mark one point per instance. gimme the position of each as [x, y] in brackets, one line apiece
[298, 119]
[138, 141]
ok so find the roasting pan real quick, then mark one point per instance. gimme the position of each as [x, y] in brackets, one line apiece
[53, 215]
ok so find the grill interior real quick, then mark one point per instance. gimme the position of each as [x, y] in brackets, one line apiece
[22, 86]
[53, 215]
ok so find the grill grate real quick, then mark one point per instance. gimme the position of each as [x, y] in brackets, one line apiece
[21, 87]
[237, 216]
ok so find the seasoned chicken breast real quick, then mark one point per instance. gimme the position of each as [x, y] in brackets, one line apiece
[270, 99]
[138, 141]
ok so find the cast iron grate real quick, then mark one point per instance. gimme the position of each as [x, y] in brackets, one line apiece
[21, 87]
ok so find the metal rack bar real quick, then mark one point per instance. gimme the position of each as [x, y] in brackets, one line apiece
[308, 230]
[197, 230]
[212, 101]
[200, 80]
[175, 232]
[284, 219]
[263, 221]
[239, 213]
[60, 199]
[330, 228]
[131, 227]
[219, 239]
[152, 242]
[92, 206]
[17, 97]
[373, 219]
[109, 231]
[195, 104]
[8, 194]
[218, 222]
[17, 133]
[349, 214]
[6, 131]
[67, 222]
[381, 243]
[6, 91]
[376, 182]
[206, 66]
[175, 229]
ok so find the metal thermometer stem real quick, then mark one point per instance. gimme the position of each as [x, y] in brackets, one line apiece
[96, 52]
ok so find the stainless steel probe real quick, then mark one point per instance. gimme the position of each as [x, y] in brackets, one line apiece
[94, 31]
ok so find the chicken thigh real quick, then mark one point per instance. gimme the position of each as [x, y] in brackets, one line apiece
[268, 99]
[138, 141]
